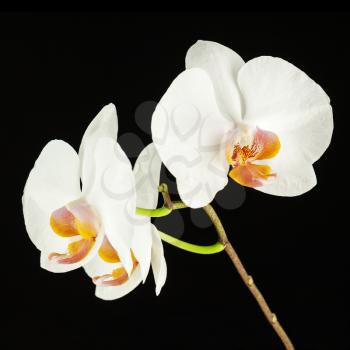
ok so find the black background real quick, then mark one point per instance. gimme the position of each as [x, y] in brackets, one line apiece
[57, 71]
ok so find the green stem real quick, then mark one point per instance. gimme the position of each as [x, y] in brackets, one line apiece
[193, 248]
[153, 213]
[160, 212]
[165, 210]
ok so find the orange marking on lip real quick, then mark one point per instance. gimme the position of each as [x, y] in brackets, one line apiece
[265, 145]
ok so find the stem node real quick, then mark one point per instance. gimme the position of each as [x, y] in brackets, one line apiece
[250, 281]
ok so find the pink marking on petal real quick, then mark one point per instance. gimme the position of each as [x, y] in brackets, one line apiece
[117, 277]
[109, 280]
[98, 280]
[76, 252]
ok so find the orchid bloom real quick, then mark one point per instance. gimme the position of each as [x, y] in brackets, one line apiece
[94, 225]
[264, 123]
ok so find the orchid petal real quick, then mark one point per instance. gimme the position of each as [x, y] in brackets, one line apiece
[190, 135]
[113, 196]
[53, 181]
[142, 244]
[158, 261]
[281, 98]
[147, 175]
[294, 174]
[222, 64]
[105, 124]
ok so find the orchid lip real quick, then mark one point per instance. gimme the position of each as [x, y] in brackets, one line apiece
[247, 155]
[79, 220]
[118, 275]
[77, 251]
[108, 280]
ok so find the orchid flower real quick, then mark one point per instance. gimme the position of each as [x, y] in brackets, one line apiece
[264, 123]
[95, 225]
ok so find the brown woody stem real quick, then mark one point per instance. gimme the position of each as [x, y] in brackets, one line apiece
[248, 279]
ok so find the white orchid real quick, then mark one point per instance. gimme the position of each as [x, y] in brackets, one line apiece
[95, 226]
[265, 118]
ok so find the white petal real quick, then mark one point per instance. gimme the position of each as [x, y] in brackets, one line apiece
[295, 175]
[291, 181]
[113, 195]
[279, 97]
[52, 183]
[116, 292]
[190, 135]
[142, 244]
[52, 266]
[222, 64]
[105, 124]
[147, 175]
[158, 261]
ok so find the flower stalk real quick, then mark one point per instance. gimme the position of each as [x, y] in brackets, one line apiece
[247, 279]
[222, 244]
[154, 213]
[166, 209]
[193, 248]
